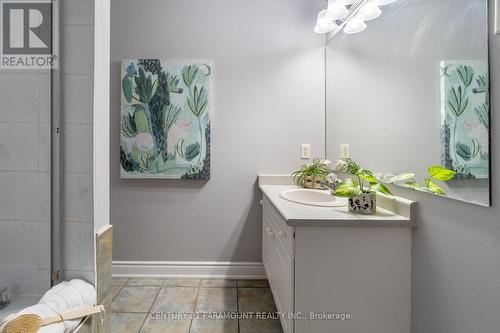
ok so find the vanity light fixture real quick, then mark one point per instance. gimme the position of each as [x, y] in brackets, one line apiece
[369, 11]
[355, 25]
[348, 15]
[336, 10]
[384, 2]
[324, 23]
[347, 2]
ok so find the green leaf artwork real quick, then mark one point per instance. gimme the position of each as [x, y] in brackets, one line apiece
[458, 101]
[165, 119]
[128, 128]
[189, 74]
[465, 113]
[197, 101]
[482, 112]
[466, 74]
[127, 88]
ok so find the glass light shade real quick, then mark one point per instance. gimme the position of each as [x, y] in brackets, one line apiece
[383, 2]
[336, 10]
[369, 11]
[354, 25]
[319, 29]
[324, 24]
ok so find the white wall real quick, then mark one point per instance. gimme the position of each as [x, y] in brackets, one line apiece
[268, 98]
[101, 114]
[25, 181]
[77, 109]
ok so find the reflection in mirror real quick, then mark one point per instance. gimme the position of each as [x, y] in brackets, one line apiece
[412, 91]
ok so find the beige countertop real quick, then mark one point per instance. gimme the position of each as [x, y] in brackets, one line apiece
[391, 211]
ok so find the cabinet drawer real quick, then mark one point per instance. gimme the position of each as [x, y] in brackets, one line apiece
[283, 232]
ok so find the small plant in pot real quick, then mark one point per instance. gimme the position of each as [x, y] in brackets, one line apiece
[312, 175]
[360, 188]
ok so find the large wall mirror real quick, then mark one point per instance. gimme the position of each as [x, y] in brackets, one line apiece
[412, 91]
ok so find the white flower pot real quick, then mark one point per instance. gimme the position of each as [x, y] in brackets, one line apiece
[364, 203]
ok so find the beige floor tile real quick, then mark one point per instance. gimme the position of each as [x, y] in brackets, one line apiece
[260, 326]
[253, 284]
[214, 326]
[134, 299]
[181, 283]
[126, 322]
[165, 326]
[216, 300]
[175, 299]
[255, 300]
[118, 281]
[115, 290]
[145, 282]
[218, 283]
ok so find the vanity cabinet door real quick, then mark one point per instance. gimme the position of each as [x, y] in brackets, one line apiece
[283, 232]
[282, 285]
[279, 268]
[267, 247]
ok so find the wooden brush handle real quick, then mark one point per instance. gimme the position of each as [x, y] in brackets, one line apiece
[74, 314]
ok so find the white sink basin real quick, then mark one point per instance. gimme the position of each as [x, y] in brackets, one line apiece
[313, 198]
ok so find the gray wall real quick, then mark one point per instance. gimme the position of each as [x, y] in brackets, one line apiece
[456, 247]
[268, 98]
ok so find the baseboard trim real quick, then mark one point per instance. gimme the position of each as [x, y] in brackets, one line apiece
[188, 269]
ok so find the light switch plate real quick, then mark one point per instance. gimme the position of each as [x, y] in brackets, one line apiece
[305, 151]
[345, 152]
[497, 17]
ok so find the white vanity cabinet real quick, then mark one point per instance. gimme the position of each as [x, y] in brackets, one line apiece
[344, 267]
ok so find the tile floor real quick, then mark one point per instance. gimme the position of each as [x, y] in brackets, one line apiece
[140, 305]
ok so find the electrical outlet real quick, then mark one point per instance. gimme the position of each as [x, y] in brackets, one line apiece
[305, 151]
[345, 151]
[497, 17]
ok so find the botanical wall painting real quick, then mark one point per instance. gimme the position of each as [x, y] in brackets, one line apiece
[465, 118]
[165, 119]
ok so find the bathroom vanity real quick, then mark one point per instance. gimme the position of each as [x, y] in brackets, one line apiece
[334, 271]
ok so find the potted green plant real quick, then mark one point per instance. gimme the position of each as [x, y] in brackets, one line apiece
[435, 173]
[360, 188]
[312, 175]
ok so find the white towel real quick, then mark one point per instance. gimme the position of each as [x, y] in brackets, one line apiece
[64, 297]
[86, 290]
